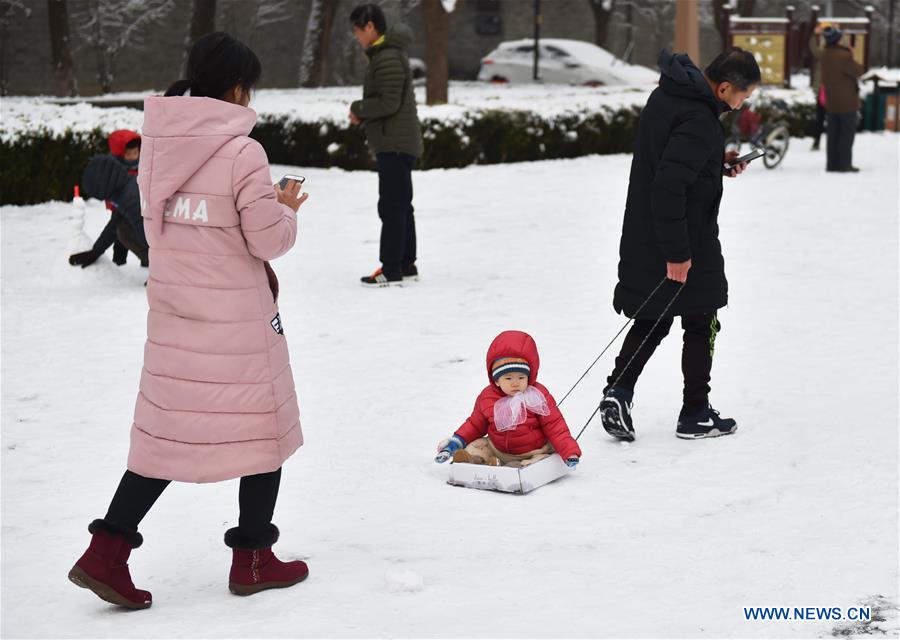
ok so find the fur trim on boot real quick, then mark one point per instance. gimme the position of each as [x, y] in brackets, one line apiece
[237, 539]
[133, 537]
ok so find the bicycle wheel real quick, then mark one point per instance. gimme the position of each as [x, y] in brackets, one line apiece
[776, 145]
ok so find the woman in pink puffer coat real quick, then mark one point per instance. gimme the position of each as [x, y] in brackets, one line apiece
[217, 398]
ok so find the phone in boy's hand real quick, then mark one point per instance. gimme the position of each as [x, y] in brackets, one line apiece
[283, 183]
[753, 155]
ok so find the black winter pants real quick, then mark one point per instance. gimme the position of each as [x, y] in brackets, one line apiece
[395, 208]
[137, 494]
[841, 132]
[696, 356]
[120, 252]
[125, 237]
[108, 237]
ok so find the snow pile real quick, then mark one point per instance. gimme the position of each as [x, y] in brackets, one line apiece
[884, 74]
[330, 104]
[35, 115]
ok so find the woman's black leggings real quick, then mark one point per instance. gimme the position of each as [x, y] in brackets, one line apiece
[137, 494]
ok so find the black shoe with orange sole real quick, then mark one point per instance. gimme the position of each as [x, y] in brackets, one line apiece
[382, 279]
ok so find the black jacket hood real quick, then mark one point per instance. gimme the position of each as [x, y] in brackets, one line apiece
[680, 77]
[104, 177]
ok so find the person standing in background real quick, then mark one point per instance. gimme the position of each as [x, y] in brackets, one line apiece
[387, 111]
[839, 75]
[815, 83]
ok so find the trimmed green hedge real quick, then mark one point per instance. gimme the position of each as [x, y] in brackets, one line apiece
[488, 137]
[40, 167]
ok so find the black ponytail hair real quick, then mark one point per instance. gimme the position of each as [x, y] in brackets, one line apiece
[736, 66]
[216, 63]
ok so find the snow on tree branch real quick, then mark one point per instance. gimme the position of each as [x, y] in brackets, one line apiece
[313, 25]
[108, 26]
[265, 13]
[9, 8]
[272, 12]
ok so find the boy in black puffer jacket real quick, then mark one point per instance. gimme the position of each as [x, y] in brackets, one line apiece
[106, 178]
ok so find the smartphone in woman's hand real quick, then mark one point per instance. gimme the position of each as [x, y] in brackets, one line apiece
[283, 183]
[288, 191]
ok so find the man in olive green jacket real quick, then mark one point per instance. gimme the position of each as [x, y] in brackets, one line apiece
[388, 114]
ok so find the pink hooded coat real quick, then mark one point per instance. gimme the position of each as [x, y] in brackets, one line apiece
[217, 398]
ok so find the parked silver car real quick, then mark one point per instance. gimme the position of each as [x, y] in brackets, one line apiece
[561, 62]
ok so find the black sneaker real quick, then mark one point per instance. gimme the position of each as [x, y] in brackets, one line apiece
[410, 272]
[615, 413]
[382, 279]
[706, 423]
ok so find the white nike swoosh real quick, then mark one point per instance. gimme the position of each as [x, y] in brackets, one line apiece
[708, 423]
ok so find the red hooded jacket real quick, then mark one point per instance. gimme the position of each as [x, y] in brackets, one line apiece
[537, 429]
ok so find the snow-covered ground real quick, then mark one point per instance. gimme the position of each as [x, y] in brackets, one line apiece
[660, 538]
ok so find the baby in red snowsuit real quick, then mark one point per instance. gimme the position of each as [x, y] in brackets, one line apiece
[518, 414]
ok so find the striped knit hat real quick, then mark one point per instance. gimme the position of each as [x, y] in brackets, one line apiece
[501, 366]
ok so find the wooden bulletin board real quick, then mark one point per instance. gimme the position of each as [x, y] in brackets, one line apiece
[770, 51]
[768, 40]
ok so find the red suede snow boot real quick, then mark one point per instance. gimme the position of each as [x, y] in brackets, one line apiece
[255, 568]
[104, 567]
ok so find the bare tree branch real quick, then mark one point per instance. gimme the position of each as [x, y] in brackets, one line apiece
[108, 26]
[266, 13]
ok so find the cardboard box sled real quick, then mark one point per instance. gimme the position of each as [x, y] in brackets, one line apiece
[508, 479]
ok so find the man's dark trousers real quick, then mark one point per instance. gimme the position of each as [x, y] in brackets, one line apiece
[398, 226]
[841, 132]
[696, 356]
